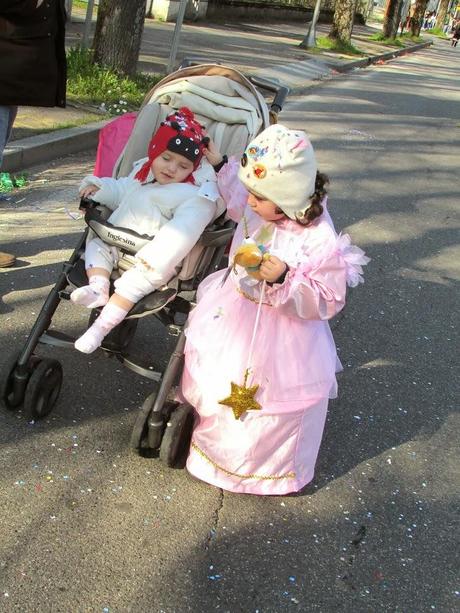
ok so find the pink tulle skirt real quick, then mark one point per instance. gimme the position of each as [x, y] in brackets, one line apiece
[294, 361]
[274, 450]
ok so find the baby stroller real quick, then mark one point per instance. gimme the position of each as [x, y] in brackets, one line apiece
[233, 111]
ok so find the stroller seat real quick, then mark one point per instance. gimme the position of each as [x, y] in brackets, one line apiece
[129, 242]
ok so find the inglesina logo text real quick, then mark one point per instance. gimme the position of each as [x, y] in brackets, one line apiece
[121, 239]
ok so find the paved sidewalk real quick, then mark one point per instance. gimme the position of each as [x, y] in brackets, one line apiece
[267, 50]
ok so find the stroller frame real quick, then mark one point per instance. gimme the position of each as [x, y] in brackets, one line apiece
[163, 426]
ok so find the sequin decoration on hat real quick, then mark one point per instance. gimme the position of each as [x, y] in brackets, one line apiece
[259, 170]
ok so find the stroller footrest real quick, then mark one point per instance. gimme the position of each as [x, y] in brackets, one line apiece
[152, 303]
[56, 339]
[146, 370]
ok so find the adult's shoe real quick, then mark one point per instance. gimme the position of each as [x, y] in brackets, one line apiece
[6, 260]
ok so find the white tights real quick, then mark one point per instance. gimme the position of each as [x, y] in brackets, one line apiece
[133, 285]
[111, 315]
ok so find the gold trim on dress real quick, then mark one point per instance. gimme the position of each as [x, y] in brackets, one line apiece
[251, 298]
[290, 475]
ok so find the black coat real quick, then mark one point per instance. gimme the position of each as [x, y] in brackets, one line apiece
[32, 53]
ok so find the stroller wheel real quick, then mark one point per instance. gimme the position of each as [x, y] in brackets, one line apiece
[139, 440]
[176, 439]
[12, 392]
[43, 388]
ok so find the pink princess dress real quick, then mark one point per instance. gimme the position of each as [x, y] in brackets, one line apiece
[294, 359]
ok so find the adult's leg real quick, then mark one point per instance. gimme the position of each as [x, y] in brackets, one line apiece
[7, 117]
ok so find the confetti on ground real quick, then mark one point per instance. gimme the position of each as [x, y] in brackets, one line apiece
[360, 133]
[72, 215]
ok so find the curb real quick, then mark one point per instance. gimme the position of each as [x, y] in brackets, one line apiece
[367, 61]
[20, 154]
[388, 55]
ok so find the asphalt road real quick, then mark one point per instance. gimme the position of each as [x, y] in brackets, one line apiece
[86, 525]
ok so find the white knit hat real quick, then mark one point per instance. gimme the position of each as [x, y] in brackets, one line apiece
[280, 165]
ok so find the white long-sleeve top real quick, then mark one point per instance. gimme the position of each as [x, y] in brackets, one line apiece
[175, 215]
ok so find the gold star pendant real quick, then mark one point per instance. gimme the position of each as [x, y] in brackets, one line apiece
[242, 399]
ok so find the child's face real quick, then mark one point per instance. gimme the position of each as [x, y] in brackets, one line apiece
[266, 209]
[170, 167]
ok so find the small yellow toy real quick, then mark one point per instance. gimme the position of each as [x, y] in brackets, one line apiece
[250, 256]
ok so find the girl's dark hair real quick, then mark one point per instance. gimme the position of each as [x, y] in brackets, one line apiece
[315, 209]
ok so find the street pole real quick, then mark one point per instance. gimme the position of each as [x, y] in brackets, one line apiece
[310, 38]
[176, 35]
[88, 20]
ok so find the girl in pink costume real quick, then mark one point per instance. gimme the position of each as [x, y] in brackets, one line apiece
[260, 359]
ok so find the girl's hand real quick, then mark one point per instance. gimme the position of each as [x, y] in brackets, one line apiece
[88, 191]
[212, 153]
[272, 268]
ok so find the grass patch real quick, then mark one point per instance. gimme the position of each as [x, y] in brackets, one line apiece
[437, 32]
[82, 4]
[95, 85]
[413, 39]
[329, 44]
[26, 129]
[390, 42]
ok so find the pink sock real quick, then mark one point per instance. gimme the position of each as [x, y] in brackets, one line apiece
[93, 295]
[111, 315]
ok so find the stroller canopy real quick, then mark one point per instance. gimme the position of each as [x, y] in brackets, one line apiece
[222, 99]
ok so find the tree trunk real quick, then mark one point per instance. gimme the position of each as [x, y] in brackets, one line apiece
[417, 19]
[442, 13]
[342, 25]
[118, 35]
[392, 18]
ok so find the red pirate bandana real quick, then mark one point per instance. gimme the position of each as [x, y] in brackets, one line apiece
[180, 133]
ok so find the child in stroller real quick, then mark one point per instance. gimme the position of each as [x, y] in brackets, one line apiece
[171, 197]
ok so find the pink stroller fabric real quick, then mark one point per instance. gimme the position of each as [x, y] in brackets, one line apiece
[112, 139]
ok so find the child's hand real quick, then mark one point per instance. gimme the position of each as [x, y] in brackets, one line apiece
[88, 191]
[212, 153]
[272, 268]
